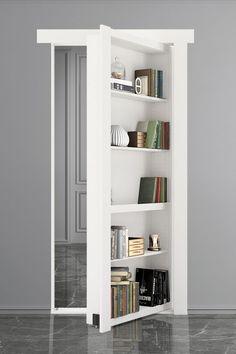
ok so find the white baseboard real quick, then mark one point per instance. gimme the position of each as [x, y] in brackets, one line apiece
[211, 311]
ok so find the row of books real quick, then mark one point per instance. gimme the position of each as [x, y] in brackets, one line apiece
[123, 246]
[150, 288]
[157, 133]
[153, 286]
[152, 190]
[154, 81]
[124, 292]
[119, 242]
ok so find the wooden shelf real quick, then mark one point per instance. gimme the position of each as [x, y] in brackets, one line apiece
[127, 148]
[130, 208]
[144, 311]
[133, 96]
[146, 254]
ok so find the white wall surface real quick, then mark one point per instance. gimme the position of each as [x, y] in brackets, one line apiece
[25, 139]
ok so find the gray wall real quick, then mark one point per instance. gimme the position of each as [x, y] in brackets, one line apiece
[25, 139]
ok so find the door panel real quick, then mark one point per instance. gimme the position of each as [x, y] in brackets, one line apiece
[78, 158]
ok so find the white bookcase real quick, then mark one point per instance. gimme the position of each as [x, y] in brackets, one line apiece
[119, 169]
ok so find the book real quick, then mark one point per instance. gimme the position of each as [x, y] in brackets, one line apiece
[145, 72]
[121, 82]
[147, 190]
[153, 286]
[119, 242]
[160, 83]
[152, 82]
[138, 252]
[124, 299]
[146, 280]
[137, 139]
[158, 190]
[166, 135]
[120, 277]
[142, 126]
[123, 282]
[151, 138]
[121, 87]
[158, 135]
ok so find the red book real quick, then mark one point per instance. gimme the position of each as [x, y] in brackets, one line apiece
[158, 192]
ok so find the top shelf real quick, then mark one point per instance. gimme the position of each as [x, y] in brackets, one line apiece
[140, 44]
[133, 96]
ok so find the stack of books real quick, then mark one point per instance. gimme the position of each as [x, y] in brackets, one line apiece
[153, 286]
[154, 81]
[119, 242]
[136, 246]
[152, 190]
[137, 139]
[122, 85]
[158, 135]
[124, 293]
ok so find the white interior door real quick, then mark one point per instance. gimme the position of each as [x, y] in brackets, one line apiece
[77, 187]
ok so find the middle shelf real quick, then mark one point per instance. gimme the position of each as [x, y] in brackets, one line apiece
[129, 208]
[146, 254]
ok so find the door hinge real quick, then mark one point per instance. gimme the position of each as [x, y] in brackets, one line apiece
[96, 320]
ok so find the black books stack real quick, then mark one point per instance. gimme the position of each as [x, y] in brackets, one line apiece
[153, 286]
[124, 293]
[154, 81]
[119, 242]
[122, 85]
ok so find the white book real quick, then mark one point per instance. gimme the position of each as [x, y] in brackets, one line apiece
[122, 82]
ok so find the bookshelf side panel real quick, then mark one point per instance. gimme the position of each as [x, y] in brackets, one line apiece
[179, 178]
[93, 179]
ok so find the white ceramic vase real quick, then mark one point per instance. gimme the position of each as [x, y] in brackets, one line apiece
[119, 136]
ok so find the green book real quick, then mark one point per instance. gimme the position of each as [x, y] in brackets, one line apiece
[158, 134]
[142, 126]
[151, 134]
[163, 189]
[147, 190]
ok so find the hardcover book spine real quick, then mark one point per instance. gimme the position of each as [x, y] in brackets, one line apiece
[120, 87]
[160, 83]
[131, 297]
[156, 83]
[127, 299]
[115, 302]
[120, 300]
[152, 82]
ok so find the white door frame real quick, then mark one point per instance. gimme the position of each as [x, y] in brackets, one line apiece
[180, 38]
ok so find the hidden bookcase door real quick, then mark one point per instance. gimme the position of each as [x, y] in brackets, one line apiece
[114, 173]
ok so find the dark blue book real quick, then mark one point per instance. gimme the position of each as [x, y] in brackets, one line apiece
[160, 83]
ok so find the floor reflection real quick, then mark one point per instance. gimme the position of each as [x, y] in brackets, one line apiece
[70, 275]
[156, 334]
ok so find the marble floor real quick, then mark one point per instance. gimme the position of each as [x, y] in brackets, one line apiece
[156, 334]
[70, 275]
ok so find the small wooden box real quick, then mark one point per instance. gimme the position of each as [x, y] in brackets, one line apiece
[136, 246]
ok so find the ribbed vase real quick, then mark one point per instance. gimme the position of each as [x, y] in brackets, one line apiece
[119, 136]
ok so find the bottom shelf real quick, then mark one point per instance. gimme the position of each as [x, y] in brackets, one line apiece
[144, 311]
